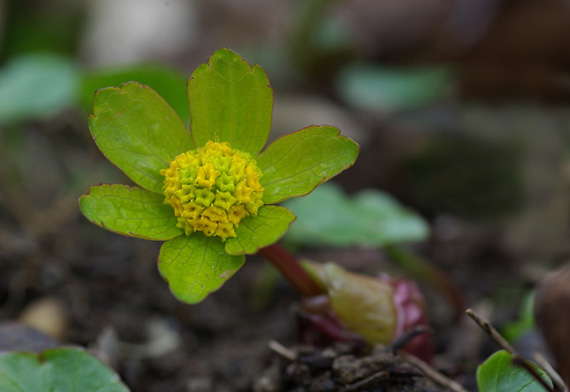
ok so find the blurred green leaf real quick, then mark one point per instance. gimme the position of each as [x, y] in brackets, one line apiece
[498, 374]
[56, 26]
[36, 86]
[370, 218]
[230, 102]
[60, 369]
[168, 83]
[332, 35]
[321, 41]
[296, 163]
[196, 266]
[373, 87]
[525, 322]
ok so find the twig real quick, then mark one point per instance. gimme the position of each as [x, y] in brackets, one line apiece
[282, 350]
[404, 339]
[496, 336]
[554, 376]
[433, 374]
[492, 332]
[362, 383]
[520, 361]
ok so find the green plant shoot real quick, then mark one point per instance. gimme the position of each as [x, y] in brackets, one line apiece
[210, 193]
[498, 374]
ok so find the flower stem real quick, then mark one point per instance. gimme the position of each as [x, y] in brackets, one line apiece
[291, 269]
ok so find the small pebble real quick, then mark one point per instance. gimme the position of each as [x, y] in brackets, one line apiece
[47, 315]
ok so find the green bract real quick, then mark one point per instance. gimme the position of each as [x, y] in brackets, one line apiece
[230, 102]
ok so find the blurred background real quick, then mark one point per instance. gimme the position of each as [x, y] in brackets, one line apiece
[461, 109]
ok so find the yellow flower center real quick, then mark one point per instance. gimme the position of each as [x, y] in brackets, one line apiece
[212, 189]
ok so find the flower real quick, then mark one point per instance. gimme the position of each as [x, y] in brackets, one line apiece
[208, 193]
[212, 189]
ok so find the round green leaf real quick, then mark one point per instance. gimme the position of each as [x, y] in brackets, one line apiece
[296, 163]
[59, 369]
[264, 229]
[374, 87]
[230, 102]
[196, 265]
[36, 85]
[498, 374]
[130, 211]
[369, 218]
[137, 131]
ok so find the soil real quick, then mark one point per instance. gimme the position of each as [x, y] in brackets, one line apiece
[117, 305]
[341, 368]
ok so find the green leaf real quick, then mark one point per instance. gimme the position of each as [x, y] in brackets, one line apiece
[524, 323]
[170, 84]
[296, 163]
[374, 87]
[498, 374]
[230, 102]
[264, 229]
[137, 131]
[35, 86]
[369, 218]
[196, 265]
[59, 369]
[130, 211]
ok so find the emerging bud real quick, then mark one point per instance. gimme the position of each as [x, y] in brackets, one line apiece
[378, 309]
[412, 313]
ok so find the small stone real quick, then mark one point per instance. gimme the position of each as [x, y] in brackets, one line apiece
[47, 315]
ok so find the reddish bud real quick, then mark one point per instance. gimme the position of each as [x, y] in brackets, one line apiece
[412, 312]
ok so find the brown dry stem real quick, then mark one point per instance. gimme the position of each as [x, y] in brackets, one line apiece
[492, 332]
[433, 374]
[498, 338]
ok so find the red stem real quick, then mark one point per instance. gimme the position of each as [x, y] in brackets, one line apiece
[291, 269]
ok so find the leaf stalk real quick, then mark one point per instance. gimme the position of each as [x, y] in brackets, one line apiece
[291, 270]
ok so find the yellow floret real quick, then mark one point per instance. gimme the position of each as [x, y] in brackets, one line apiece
[213, 188]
